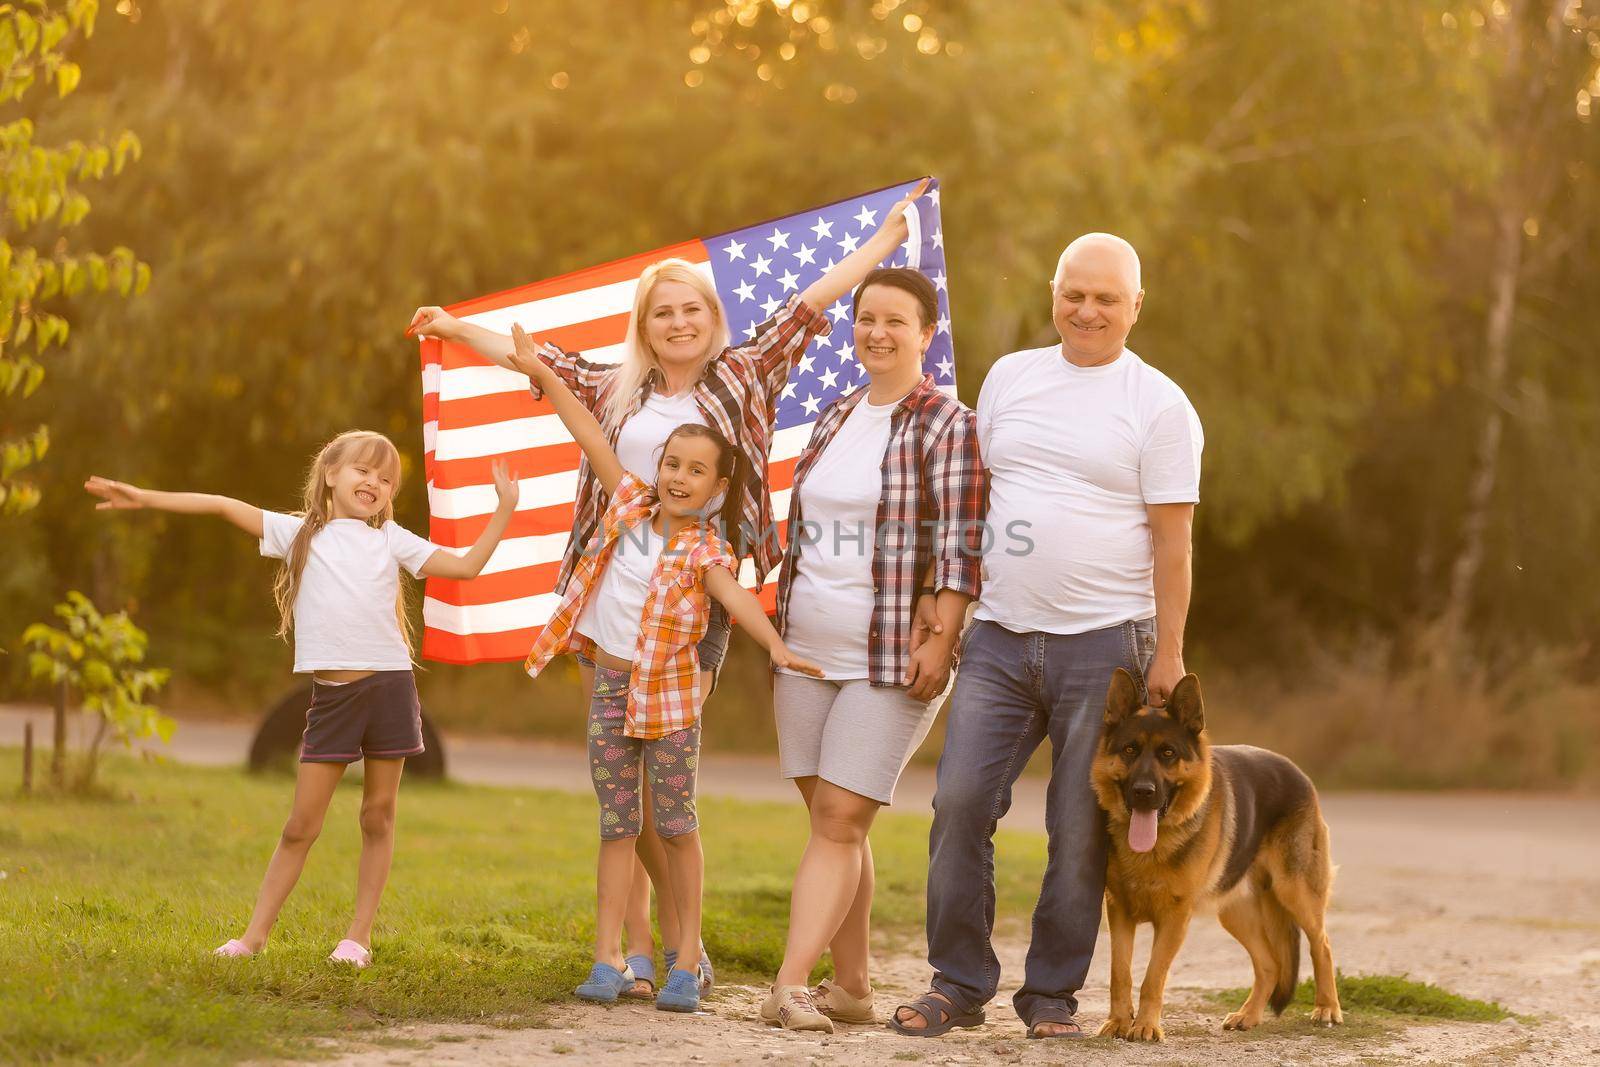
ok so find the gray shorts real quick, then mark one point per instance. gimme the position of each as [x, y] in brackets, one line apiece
[848, 733]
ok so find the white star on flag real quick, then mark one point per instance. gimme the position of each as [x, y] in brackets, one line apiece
[829, 378]
[778, 239]
[790, 282]
[762, 265]
[822, 229]
[806, 255]
[945, 367]
[788, 391]
[735, 250]
[838, 312]
[770, 307]
[846, 351]
[940, 281]
[868, 219]
[944, 324]
[938, 238]
[849, 244]
[811, 404]
[806, 363]
[746, 291]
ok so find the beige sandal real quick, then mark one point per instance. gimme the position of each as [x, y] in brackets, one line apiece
[792, 1008]
[834, 1001]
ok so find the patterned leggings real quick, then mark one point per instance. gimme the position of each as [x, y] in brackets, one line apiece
[614, 765]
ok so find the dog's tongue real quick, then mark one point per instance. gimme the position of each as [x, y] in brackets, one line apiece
[1142, 831]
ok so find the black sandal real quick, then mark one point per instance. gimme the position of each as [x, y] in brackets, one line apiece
[940, 1015]
[1058, 1014]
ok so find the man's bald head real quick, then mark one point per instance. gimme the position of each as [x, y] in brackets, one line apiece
[1103, 250]
[1098, 295]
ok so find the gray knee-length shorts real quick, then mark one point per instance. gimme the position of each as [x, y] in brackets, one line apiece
[849, 733]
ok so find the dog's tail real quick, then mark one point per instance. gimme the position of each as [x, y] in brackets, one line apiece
[1284, 938]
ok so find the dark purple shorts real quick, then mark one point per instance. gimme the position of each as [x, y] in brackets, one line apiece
[378, 717]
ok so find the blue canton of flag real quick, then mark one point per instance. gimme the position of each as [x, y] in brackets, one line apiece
[757, 270]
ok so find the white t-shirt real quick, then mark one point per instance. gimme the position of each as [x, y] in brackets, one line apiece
[831, 600]
[639, 443]
[614, 612]
[344, 617]
[1076, 453]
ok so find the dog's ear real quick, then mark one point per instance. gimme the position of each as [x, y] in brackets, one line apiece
[1122, 699]
[1185, 704]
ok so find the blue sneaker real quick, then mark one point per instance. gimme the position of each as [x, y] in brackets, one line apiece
[681, 993]
[604, 983]
[708, 976]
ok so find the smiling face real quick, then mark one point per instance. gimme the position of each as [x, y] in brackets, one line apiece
[688, 480]
[679, 324]
[1096, 297]
[363, 487]
[891, 337]
[1154, 764]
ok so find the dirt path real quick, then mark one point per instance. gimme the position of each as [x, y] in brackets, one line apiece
[1490, 896]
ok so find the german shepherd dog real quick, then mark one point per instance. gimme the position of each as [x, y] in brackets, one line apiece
[1192, 826]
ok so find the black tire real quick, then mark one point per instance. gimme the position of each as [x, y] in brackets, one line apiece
[277, 740]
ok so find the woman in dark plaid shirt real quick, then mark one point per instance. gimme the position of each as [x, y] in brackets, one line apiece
[889, 490]
[679, 366]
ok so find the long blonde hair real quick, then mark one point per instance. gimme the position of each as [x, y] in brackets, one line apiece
[638, 358]
[352, 446]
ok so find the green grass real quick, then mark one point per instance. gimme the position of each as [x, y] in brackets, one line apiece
[109, 908]
[1386, 995]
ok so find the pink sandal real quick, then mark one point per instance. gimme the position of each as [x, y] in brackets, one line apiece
[234, 949]
[351, 952]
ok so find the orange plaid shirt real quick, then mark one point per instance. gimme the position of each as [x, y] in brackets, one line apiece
[664, 691]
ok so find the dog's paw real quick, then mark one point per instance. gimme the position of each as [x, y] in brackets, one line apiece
[1327, 1015]
[1242, 1020]
[1116, 1027]
[1145, 1031]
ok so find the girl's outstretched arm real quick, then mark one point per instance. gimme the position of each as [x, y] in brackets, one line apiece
[446, 564]
[120, 496]
[852, 269]
[748, 612]
[579, 420]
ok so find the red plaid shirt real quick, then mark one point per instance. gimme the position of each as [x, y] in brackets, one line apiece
[738, 394]
[933, 507]
[664, 689]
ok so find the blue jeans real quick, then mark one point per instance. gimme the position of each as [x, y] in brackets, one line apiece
[1013, 691]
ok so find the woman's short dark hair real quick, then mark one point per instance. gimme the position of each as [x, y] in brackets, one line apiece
[908, 280]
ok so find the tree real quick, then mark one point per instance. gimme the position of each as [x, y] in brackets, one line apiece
[100, 657]
[43, 200]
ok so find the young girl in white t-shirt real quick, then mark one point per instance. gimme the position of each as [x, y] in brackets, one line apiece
[339, 591]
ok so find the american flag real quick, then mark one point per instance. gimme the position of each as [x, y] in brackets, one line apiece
[475, 412]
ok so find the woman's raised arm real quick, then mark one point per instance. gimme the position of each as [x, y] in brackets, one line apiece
[852, 269]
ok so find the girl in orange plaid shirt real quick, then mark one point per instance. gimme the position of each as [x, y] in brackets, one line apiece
[637, 604]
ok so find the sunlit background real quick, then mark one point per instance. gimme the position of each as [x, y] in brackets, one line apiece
[1369, 229]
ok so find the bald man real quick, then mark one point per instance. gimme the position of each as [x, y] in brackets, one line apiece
[1094, 465]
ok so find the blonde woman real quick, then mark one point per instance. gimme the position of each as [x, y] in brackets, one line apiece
[339, 591]
[679, 367]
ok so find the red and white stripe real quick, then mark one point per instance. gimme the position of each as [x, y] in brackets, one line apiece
[475, 412]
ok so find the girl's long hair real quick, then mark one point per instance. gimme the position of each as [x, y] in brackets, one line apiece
[352, 446]
[638, 358]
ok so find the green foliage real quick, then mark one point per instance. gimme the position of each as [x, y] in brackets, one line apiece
[41, 198]
[100, 658]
